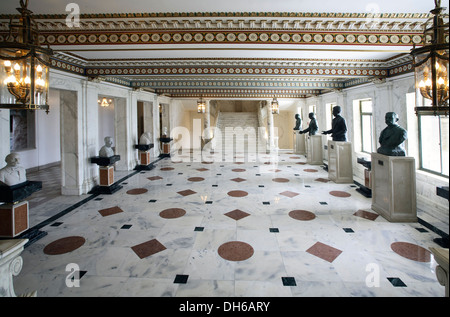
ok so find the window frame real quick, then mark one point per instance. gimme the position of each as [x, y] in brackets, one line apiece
[421, 167]
[361, 115]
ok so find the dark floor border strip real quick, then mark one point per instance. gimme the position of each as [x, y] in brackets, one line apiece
[432, 228]
[31, 231]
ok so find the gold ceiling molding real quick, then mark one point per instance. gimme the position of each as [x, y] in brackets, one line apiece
[232, 37]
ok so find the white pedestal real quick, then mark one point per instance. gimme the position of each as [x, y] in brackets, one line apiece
[394, 187]
[314, 148]
[10, 265]
[340, 164]
[299, 143]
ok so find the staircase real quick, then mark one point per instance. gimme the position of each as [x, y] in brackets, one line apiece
[237, 135]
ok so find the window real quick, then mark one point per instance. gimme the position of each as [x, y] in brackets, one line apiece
[433, 143]
[329, 114]
[365, 110]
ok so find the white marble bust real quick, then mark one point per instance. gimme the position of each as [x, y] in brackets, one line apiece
[106, 150]
[146, 138]
[12, 173]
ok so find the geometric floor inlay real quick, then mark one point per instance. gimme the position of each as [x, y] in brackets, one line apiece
[323, 251]
[172, 213]
[110, 211]
[280, 180]
[237, 193]
[366, 214]
[137, 191]
[289, 194]
[64, 245]
[237, 214]
[302, 215]
[310, 170]
[148, 248]
[411, 251]
[186, 192]
[235, 251]
[154, 178]
[338, 193]
[196, 179]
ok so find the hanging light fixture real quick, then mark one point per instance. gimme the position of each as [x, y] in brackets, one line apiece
[431, 66]
[24, 67]
[201, 105]
[104, 102]
[275, 106]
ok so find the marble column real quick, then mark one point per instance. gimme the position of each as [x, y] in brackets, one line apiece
[71, 143]
[90, 141]
[4, 136]
[156, 136]
[271, 136]
[122, 139]
[207, 124]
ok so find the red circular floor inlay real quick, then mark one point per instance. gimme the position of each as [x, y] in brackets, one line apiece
[280, 180]
[235, 251]
[237, 193]
[411, 251]
[64, 245]
[172, 213]
[167, 168]
[238, 169]
[302, 215]
[338, 193]
[137, 191]
[310, 170]
[196, 179]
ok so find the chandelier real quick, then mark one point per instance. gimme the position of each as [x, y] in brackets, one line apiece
[431, 66]
[104, 102]
[275, 106]
[24, 67]
[201, 105]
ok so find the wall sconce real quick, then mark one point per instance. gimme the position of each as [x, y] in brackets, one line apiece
[201, 105]
[24, 72]
[431, 66]
[104, 102]
[275, 106]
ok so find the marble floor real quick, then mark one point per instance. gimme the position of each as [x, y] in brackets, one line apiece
[271, 227]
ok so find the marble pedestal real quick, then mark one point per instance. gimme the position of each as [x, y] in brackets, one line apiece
[106, 175]
[10, 265]
[314, 154]
[299, 143]
[165, 146]
[13, 219]
[394, 187]
[144, 157]
[441, 257]
[340, 164]
[14, 213]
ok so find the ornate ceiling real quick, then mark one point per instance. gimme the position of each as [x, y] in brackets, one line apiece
[233, 54]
